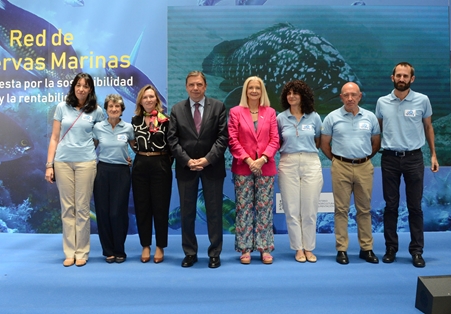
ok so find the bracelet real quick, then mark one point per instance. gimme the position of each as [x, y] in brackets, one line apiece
[49, 165]
[265, 159]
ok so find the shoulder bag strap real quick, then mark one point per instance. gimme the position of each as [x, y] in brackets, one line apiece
[81, 111]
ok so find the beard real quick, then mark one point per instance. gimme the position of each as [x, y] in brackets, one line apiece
[401, 86]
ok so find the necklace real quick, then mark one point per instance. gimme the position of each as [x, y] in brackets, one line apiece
[254, 112]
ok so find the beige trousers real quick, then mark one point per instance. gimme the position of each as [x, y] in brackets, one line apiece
[300, 184]
[350, 178]
[75, 181]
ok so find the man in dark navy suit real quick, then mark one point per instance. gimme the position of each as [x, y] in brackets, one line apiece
[198, 139]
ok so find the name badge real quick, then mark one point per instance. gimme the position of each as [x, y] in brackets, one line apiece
[307, 127]
[410, 113]
[364, 126]
[86, 118]
[122, 138]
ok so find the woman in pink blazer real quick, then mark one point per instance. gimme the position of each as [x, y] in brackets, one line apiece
[253, 142]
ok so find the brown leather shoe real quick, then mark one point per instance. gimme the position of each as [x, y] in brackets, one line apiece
[80, 262]
[69, 262]
[145, 255]
[159, 255]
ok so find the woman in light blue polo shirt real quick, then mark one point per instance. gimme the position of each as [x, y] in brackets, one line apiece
[300, 173]
[113, 179]
[71, 156]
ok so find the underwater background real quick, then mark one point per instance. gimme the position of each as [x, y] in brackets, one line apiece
[164, 40]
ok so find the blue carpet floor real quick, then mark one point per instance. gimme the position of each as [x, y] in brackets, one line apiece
[33, 280]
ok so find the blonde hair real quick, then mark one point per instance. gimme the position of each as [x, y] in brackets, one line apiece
[264, 99]
[139, 110]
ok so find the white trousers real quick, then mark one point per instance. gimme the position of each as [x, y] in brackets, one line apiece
[75, 181]
[300, 183]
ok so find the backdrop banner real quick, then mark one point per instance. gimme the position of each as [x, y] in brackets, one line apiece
[125, 45]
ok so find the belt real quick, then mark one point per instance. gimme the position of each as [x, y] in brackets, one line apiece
[352, 161]
[389, 152]
[152, 153]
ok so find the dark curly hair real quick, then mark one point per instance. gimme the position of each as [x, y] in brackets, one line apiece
[301, 88]
[91, 101]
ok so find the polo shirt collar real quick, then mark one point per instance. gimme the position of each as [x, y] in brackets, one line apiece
[409, 96]
[121, 123]
[344, 112]
[289, 114]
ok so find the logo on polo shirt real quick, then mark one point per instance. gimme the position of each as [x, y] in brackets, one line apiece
[122, 138]
[409, 113]
[87, 118]
[307, 127]
[364, 126]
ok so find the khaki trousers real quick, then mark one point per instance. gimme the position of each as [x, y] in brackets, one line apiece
[350, 178]
[75, 181]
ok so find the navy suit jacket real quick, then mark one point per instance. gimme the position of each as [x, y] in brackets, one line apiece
[211, 142]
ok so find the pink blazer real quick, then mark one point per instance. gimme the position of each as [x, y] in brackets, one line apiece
[245, 142]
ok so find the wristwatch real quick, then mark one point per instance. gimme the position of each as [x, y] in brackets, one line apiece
[49, 165]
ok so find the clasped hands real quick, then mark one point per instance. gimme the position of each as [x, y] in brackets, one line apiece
[255, 165]
[198, 164]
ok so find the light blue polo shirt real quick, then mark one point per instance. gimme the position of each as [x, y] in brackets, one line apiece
[113, 143]
[402, 120]
[351, 135]
[298, 136]
[77, 145]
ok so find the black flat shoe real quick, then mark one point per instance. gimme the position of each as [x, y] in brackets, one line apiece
[120, 259]
[418, 261]
[214, 262]
[342, 258]
[110, 259]
[390, 255]
[189, 260]
[369, 256]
